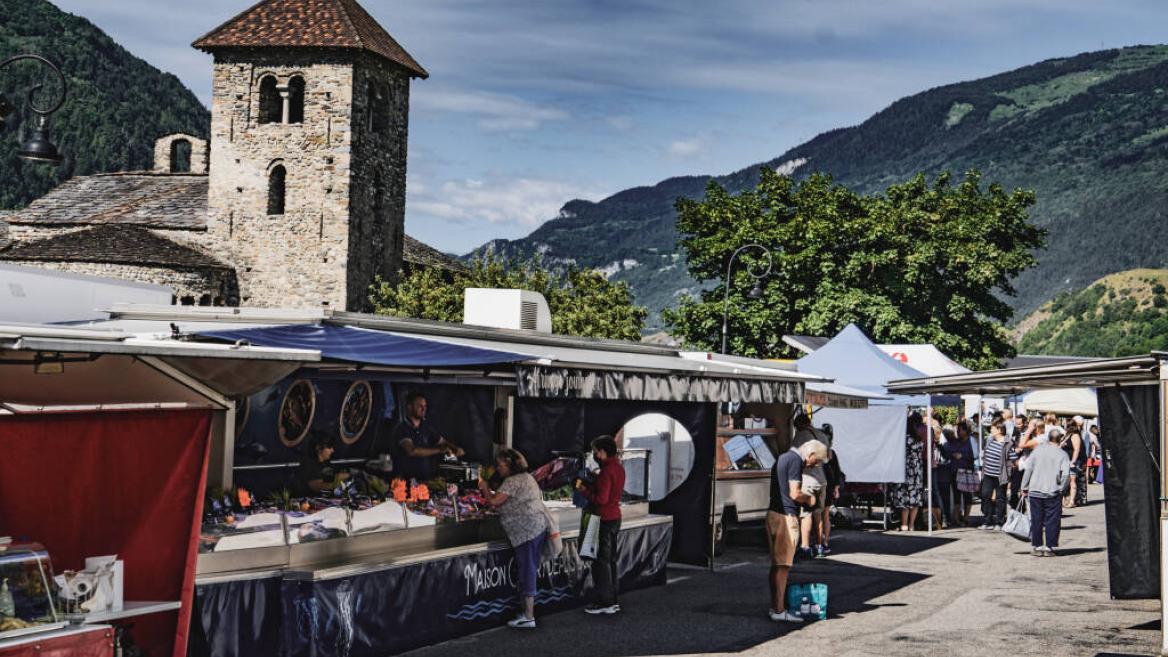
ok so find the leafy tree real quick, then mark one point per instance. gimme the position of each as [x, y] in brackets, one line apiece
[919, 263]
[582, 301]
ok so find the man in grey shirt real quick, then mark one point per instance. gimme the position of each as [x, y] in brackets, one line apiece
[1042, 485]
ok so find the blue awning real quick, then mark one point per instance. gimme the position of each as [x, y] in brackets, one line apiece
[358, 345]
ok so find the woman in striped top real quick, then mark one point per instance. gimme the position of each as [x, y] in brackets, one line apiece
[995, 474]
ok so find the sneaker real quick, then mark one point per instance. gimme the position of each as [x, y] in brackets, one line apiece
[598, 609]
[804, 553]
[785, 616]
[820, 551]
[522, 622]
[1049, 552]
[997, 528]
[1037, 552]
[985, 527]
[825, 549]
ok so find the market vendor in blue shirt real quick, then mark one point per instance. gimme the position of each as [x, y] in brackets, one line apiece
[419, 444]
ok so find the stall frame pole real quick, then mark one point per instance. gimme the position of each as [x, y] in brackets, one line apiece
[929, 459]
[1163, 510]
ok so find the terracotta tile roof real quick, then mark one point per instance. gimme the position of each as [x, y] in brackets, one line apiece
[424, 256]
[140, 199]
[127, 245]
[309, 24]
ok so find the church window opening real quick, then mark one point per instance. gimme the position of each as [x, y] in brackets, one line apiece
[180, 156]
[271, 104]
[296, 99]
[378, 108]
[276, 189]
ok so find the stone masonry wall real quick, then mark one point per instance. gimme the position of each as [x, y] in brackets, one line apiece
[299, 258]
[381, 102]
[204, 287]
[198, 153]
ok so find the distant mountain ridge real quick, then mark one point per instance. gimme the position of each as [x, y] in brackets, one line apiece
[1089, 134]
[117, 104]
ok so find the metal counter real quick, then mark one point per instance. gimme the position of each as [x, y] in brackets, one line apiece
[339, 557]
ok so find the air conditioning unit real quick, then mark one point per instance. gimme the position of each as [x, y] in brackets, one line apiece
[506, 309]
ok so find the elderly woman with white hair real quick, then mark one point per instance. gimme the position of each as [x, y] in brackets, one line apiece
[782, 520]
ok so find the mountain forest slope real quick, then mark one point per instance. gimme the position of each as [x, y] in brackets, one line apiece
[117, 104]
[1122, 314]
[1089, 134]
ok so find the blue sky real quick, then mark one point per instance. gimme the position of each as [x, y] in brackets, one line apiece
[532, 103]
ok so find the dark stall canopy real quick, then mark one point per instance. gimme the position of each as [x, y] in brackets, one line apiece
[357, 345]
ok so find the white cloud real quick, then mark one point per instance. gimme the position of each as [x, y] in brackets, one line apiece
[687, 148]
[494, 111]
[523, 201]
[621, 123]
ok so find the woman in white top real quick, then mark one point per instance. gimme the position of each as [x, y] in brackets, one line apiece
[524, 519]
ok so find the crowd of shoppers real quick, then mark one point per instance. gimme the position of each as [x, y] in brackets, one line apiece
[1042, 462]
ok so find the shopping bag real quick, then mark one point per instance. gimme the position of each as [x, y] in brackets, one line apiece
[814, 594]
[553, 544]
[1018, 522]
[968, 481]
[589, 536]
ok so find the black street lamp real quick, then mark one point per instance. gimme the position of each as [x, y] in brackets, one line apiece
[39, 147]
[755, 292]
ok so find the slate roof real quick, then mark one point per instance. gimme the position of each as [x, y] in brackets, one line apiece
[114, 244]
[149, 200]
[423, 255]
[309, 24]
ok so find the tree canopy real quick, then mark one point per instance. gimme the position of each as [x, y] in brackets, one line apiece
[923, 262]
[582, 301]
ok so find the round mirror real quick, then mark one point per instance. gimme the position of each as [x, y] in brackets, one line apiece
[658, 454]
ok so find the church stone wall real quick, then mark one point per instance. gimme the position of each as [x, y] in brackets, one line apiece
[325, 249]
[203, 287]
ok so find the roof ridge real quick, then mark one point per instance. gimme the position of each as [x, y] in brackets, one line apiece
[344, 6]
[227, 22]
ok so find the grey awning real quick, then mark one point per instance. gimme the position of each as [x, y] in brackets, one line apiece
[1087, 374]
[575, 383]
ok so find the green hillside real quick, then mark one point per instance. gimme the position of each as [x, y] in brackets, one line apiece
[1123, 314]
[117, 106]
[1089, 134]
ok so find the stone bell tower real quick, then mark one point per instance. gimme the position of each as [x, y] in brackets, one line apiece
[309, 120]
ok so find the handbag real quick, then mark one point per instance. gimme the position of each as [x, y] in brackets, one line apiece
[1017, 522]
[968, 481]
[553, 546]
[589, 535]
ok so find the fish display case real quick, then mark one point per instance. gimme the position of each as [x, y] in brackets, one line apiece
[367, 521]
[26, 591]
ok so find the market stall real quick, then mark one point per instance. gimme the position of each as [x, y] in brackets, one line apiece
[299, 572]
[106, 442]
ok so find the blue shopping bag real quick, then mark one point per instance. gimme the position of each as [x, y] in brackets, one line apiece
[816, 595]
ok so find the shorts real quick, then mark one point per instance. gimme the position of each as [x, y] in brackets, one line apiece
[820, 503]
[782, 537]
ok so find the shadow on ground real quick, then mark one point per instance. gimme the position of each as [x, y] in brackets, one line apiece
[701, 611]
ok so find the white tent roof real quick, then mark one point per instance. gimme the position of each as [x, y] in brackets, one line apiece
[925, 358]
[1063, 401]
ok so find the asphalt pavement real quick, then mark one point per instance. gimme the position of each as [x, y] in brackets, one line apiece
[957, 592]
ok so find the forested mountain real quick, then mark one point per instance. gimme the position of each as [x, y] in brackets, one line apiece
[1123, 314]
[117, 104]
[1089, 134]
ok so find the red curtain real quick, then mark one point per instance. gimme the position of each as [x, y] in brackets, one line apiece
[125, 483]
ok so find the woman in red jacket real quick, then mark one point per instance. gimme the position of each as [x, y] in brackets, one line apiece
[605, 495]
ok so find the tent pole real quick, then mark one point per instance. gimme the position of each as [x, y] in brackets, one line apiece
[980, 415]
[929, 459]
